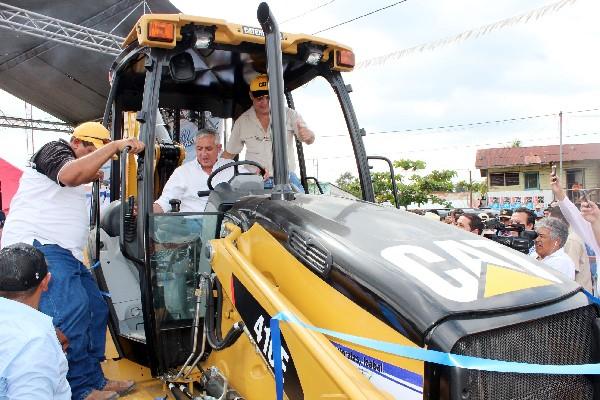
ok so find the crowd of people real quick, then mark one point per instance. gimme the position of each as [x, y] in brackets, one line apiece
[567, 238]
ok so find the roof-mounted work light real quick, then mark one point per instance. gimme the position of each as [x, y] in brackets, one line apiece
[311, 54]
[204, 37]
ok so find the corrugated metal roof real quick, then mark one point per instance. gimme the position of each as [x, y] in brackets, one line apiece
[513, 156]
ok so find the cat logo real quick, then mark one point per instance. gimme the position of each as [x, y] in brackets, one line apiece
[488, 269]
[250, 30]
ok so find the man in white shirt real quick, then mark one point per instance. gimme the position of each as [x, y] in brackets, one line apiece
[552, 236]
[190, 178]
[32, 362]
[49, 211]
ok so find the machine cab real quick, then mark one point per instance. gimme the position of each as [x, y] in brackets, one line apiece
[176, 71]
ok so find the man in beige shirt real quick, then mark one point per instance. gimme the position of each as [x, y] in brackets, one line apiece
[252, 130]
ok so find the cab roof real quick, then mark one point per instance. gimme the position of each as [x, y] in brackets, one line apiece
[227, 33]
[223, 70]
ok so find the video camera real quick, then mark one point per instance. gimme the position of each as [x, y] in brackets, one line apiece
[522, 242]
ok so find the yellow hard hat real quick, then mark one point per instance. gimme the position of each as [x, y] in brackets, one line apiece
[93, 132]
[259, 85]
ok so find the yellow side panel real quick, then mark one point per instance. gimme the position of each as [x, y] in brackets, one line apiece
[280, 283]
[132, 129]
[146, 387]
[324, 306]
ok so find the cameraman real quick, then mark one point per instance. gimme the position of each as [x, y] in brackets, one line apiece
[526, 217]
[471, 223]
[523, 216]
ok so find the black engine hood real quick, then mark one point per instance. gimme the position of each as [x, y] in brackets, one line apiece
[407, 270]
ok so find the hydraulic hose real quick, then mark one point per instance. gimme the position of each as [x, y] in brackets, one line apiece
[177, 393]
[214, 337]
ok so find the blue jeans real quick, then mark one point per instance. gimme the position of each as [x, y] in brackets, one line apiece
[77, 308]
[294, 181]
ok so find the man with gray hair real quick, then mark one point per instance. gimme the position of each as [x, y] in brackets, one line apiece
[190, 178]
[552, 236]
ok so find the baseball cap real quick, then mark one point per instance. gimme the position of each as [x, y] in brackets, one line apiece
[506, 213]
[259, 85]
[22, 267]
[93, 132]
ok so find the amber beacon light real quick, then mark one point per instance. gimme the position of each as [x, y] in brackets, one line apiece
[161, 31]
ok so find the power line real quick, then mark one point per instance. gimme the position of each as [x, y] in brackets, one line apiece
[536, 139]
[360, 16]
[308, 11]
[470, 34]
[462, 146]
[469, 124]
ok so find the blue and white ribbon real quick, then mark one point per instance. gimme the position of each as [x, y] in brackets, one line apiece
[417, 353]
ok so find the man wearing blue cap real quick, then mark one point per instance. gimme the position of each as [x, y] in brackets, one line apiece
[32, 363]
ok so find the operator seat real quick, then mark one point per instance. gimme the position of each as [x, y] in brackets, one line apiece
[110, 219]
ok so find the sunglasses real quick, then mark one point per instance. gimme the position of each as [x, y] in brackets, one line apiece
[259, 98]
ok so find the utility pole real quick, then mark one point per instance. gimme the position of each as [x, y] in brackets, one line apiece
[470, 190]
[560, 149]
[29, 131]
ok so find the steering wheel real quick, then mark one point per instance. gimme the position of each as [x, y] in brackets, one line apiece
[236, 173]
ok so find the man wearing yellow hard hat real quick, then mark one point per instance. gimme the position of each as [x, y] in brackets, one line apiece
[253, 130]
[49, 211]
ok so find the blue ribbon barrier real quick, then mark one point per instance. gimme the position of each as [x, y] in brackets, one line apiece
[591, 297]
[276, 346]
[417, 353]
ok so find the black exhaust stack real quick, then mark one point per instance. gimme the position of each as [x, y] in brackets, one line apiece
[281, 188]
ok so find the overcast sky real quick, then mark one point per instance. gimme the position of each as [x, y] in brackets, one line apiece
[527, 69]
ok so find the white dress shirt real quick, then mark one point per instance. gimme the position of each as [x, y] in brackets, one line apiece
[560, 261]
[32, 364]
[185, 183]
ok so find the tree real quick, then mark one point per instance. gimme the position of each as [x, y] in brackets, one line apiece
[349, 183]
[476, 187]
[411, 189]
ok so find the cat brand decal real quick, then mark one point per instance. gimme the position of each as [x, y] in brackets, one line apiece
[484, 271]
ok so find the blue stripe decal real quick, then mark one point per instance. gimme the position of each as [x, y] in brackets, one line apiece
[382, 368]
[399, 382]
